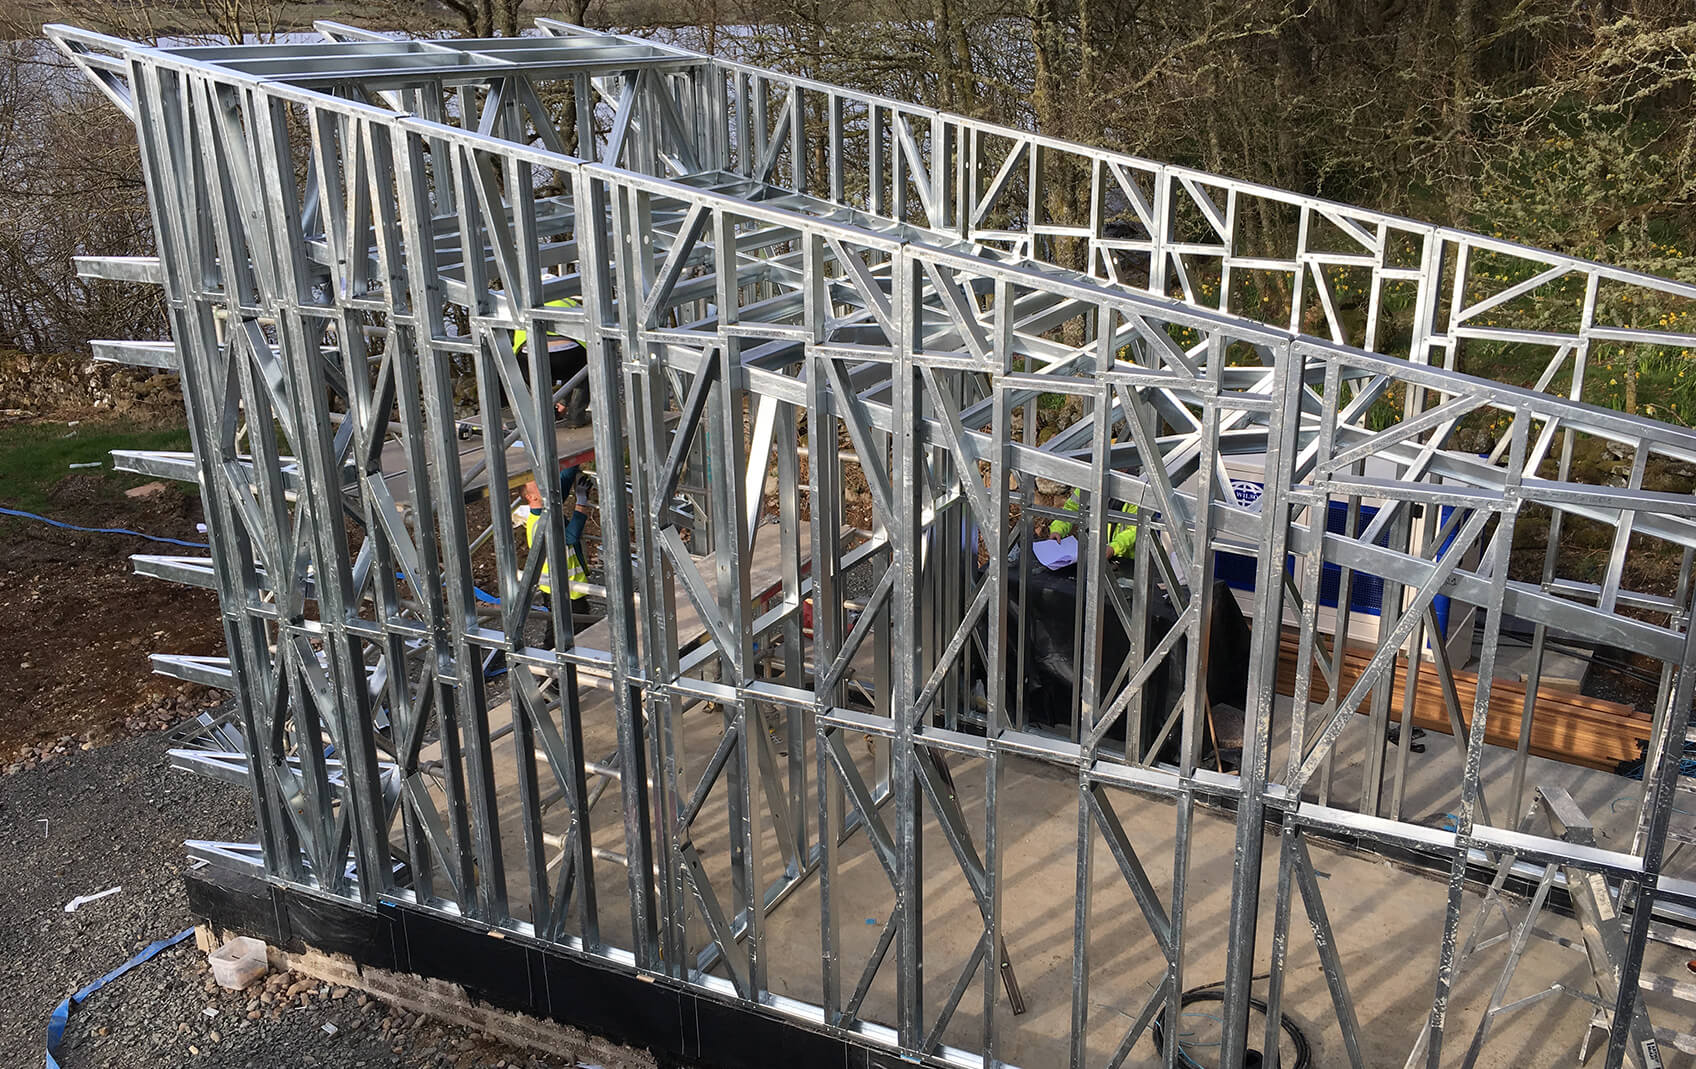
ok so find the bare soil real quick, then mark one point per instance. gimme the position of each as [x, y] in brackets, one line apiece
[77, 624]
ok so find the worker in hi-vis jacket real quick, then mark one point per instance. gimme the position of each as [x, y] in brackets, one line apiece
[566, 357]
[573, 487]
[1121, 537]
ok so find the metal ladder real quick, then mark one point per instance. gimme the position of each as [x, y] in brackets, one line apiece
[1602, 940]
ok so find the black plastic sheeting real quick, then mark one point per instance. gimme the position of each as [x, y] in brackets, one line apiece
[679, 1026]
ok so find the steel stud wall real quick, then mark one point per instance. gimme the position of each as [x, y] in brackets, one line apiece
[349, 232]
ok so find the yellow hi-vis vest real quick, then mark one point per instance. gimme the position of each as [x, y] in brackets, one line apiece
[519, 335]
[1121, 537]
[575, 575]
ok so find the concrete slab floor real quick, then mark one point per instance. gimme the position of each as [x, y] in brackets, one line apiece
[1387, 918]
[1387, 922]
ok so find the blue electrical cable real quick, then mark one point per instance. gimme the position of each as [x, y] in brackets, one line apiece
[1634, 769]
[62, 1012]
[100, 530]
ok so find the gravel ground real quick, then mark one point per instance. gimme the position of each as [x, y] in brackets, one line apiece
[89, 819]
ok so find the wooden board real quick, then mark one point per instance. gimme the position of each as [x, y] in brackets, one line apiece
[1565, 725]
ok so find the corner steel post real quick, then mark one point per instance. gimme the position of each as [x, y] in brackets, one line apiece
[1276, 517]
[609, 331]
[907, 483]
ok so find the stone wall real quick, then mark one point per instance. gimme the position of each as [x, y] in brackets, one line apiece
[36, 384]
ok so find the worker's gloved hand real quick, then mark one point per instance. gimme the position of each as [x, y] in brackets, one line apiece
[520, 514]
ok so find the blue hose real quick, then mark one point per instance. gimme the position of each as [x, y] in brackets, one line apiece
[100, 530]
[62, 1012]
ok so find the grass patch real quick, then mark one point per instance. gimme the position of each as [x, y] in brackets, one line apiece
[34, 457]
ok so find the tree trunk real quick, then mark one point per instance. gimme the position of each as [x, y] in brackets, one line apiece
[1460, 107]
[1048, 38]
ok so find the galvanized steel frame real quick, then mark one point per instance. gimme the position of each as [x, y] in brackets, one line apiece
[757, 254]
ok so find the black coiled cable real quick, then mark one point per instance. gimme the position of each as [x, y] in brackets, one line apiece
[1303, 1054]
